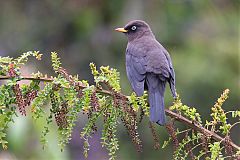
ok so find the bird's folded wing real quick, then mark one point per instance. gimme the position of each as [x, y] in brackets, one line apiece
[172, 73]
[169, 63]
[136, 71]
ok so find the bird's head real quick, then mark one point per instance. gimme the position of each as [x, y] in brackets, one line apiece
[135, 29]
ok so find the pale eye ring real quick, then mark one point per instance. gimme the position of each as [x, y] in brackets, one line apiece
[134, 28]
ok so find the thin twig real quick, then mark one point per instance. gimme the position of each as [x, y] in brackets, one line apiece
[193, 148]
[233, 125]
[184, 131]
[45, 79]
[197, 127]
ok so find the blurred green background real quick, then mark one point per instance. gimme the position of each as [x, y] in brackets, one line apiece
[202, 37]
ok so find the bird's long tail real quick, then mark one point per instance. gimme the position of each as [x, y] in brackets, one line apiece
[156, 100]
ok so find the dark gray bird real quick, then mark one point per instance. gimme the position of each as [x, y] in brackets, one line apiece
[149, 66]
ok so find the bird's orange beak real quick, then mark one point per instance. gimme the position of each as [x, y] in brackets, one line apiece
[121, 30]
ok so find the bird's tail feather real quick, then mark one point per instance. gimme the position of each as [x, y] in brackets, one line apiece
[156, 100]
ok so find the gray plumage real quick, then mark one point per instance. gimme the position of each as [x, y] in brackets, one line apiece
[148, 66]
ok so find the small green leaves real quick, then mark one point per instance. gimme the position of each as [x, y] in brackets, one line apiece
[186, 110]
[86, 148]
[166, 142]
[235, 114]
[144, 104]
[66, 96]
[55, 61]
[218, 124]
[109, 139]
[24, 57]
[133, 101]
[86, 100]
[94, 70]
[137, 102]
[40, 100]
[2, 139]
[6, 60]
[107, 75]
[218, 114]
[215, 151]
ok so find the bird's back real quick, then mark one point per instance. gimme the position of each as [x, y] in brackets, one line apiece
[152, 51]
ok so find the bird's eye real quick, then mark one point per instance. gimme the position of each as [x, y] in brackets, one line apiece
[133, 28]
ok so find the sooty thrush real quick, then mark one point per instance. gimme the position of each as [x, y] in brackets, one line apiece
[148, 66]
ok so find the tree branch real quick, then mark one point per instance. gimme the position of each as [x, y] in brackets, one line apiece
[198, 128]
[169, 113]
[45, 79]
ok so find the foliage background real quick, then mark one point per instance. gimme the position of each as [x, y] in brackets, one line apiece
[201, 36]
